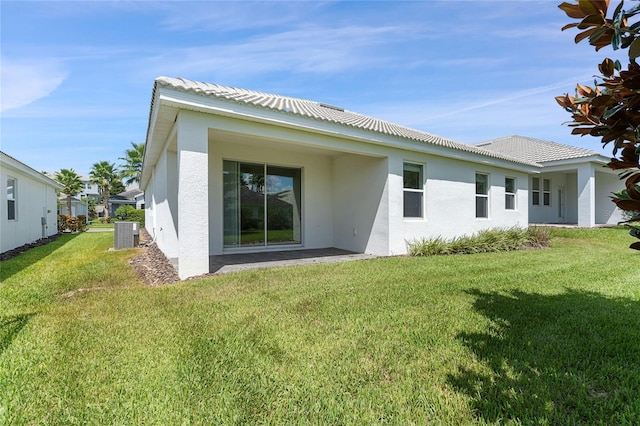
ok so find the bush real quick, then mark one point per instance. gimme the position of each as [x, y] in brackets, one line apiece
[137, 215]
[81, 222]
[72, 224]
[130, 213]
[489, 240]
[122, 212]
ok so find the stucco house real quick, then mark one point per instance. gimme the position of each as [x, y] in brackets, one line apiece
[220, 162]
[573, 185]
[28, 204]
[133, 197]
[79, 206]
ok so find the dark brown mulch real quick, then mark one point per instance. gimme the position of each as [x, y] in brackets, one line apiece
[151, 264]
[18, 250]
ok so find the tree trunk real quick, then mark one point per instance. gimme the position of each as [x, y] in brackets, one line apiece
[69, 203]
[105, 202]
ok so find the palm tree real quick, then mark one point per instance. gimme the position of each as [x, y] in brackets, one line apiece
[131, 170]
[103, 174]
[71, 183]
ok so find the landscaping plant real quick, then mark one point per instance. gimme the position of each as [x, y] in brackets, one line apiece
[610, 110]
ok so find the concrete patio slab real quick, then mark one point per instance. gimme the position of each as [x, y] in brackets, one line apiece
[226, 263]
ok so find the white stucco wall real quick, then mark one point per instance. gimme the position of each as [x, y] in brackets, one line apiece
[361, 204]
[606, 211]
[160, 201]
[35, 199]
[450, 200]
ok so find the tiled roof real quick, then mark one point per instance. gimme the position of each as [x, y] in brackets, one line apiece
[323, 112]
[534, 150]
[127, 195]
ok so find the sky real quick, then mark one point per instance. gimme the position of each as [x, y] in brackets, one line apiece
[76, 76]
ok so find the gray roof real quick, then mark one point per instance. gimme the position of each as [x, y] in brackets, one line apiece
[323, 112]
[129, 195]
[535, 150]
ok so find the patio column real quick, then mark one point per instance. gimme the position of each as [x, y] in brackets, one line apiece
[586, 196]
[193, 195]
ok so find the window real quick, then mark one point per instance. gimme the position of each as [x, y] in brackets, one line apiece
[262, 205]
[413, 190]
[546, 192]
[11, 199]
[482, 195]
[535, 191]
[509, 193]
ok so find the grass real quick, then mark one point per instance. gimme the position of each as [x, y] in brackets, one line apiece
[102, 225]
[538, 336]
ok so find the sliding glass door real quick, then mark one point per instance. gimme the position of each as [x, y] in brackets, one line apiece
[261, 205]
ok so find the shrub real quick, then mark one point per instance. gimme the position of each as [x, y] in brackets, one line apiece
[70, 223]
[130, 213]
[489, 240]
[81, 223]
[137, 215]
[122, 212]
[62, 222]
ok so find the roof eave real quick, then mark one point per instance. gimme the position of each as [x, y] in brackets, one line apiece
[168, 97]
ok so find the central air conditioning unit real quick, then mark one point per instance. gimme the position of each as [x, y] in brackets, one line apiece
[126, 235]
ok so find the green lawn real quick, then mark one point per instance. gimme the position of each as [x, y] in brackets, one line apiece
[540, 336]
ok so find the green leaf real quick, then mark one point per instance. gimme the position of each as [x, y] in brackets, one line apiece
[615, 40]
[634, 49]
[616, 13]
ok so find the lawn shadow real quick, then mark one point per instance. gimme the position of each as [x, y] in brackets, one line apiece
[10, 327]
[554, 359]
[32, 255]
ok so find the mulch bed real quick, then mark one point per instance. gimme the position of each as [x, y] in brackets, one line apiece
[19, 250]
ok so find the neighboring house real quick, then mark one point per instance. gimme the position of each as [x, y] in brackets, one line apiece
[89, 189]
[78, 206]
[574, 185]
[28, 204]
[133, 197]
[221, 163]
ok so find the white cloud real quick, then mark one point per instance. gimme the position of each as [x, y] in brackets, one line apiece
[310, 50]
[24, 82]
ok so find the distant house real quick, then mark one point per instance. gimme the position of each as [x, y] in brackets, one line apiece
[28, 205]
[89, 189]
[573, 186]
[78, 206]
[133, 197]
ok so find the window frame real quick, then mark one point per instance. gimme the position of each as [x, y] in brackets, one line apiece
[12, 205]
[510, 195]
[484, 196]
[535, 191]
[236, 209]
[546, 192]
[420, 190]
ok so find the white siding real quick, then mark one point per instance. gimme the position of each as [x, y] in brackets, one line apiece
[35, 199]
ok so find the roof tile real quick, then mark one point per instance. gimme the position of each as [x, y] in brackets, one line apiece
[316, 111]
[534, 150]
